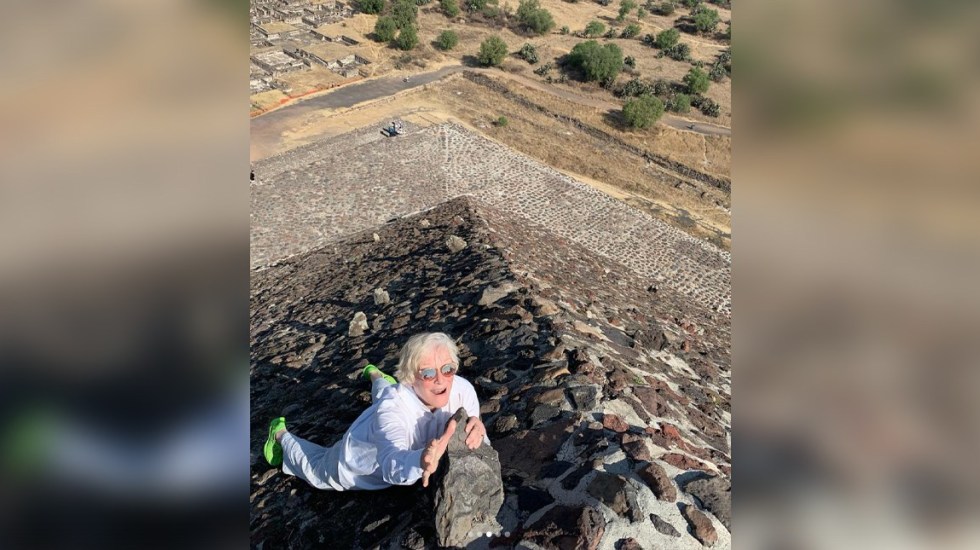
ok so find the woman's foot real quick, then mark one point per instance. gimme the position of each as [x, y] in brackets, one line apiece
[273, 447]
[372, 373]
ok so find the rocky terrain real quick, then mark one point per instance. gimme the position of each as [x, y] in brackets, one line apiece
[605, 392]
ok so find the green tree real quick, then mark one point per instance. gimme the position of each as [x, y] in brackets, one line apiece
[594, 28]
[666, 8]
[697, 81]
[447, 40]
[371, 7]
[385, 29]
[450, 7]
[408, 38]
[705, 19]
[535, 18]
[404, 12]
[643, 112]
[666, 39]
[600, 63]
[492, 51]
[641, 13]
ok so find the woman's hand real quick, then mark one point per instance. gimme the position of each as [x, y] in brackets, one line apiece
[433, 452]
[475, 430]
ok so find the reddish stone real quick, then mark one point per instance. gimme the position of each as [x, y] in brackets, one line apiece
[635, 447]
[685, 462]
[670, 431]
[701, 525]
[614, 422]
[656, 478]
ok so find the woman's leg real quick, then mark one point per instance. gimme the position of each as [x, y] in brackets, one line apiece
[314, 464]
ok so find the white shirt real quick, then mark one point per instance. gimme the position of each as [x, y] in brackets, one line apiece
[383, 447]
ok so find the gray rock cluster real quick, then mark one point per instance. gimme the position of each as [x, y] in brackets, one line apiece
[469, 491]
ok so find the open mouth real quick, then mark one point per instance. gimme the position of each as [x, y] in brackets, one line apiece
[439, 392]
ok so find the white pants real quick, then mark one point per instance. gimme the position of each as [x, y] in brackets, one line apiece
[315, 464]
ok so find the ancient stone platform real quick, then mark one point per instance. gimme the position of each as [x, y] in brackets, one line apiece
[314, 195]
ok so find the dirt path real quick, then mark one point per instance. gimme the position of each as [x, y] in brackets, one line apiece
[267, 130]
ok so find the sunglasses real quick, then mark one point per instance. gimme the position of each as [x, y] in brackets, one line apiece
[428, 375]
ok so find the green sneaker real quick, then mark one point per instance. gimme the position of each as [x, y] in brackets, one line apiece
[366, 373]
[273, 449]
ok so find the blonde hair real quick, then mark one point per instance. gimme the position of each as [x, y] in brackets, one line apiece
[416, 347]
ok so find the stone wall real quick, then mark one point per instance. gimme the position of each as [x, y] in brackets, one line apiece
[311, 196]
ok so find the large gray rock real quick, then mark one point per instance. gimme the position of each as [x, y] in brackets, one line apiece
[715, 495]
[469, 490]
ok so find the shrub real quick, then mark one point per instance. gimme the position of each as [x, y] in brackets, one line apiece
[691, 3]
[641, 13]
[594, 28]
[643, 111]
[696, 81]
[680, 52]
[565, 30]
[725, 60]
[661, 87]
[629, 61]
[370, 7]
[535, 18]
[634, 88]
[492, 51]
[666, 8]
[385, 29]
[717, 72]
[667, 39]
[709, 107]
[680, 103]
[603, 2]
[600, 63]
[544, 69]
[630, 31]
[705, 19]
[450, 7]
[501, 121]
[407, 39]
[529, 53]
[477, 5]
[447, 40]
[625, 7]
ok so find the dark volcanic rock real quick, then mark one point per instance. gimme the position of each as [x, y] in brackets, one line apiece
[567, 527]
[656, 478]
[700, 525]
[628, 544]
[526, 451]
[616, 493]
[469, 492]
[660, 525]
[715, 495]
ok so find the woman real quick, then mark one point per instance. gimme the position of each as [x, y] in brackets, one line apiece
[400, 437]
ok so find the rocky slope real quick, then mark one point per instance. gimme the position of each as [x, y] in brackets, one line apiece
[607, 398]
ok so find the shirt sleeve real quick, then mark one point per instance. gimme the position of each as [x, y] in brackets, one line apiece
[398, 461]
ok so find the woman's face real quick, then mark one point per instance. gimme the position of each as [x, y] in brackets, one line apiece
[434, 393]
